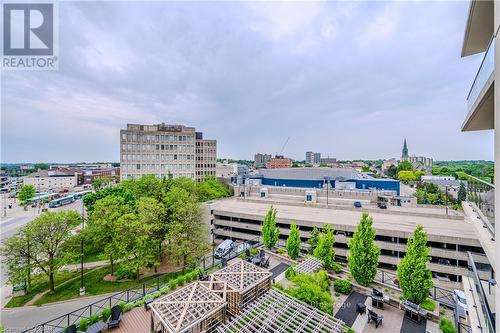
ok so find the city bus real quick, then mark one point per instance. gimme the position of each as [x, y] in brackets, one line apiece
[39, 197]
[79, 195]
[62, 201]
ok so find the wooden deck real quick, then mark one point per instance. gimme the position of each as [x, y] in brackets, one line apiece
[136, 320]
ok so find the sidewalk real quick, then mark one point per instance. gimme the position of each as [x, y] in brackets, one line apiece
[29, 316]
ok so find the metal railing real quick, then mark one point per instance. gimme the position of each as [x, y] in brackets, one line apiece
[131, 294]
[488, 319]
[484, 73]
[482, 194]
[441, 295]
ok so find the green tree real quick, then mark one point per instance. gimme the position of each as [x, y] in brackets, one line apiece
[415, 279]
[270, 232]
[126, 194]
[146, 186]
[363, 253]
[48, 233]
[151, 214]
[406, 176]
[405, 166]
[313, 288]
[462, 193]
[392, 171]
[293, 242]
[40, 166]
[324, 251]
[17, 252]
[102, 228]
[98, 183]
[211, 189]
[314, 239]
[25, 193]
[132, 243]
[187, 233]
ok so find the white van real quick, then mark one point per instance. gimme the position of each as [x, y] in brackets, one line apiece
[224, 248]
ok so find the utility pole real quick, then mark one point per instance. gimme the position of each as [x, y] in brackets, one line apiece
[82, 287]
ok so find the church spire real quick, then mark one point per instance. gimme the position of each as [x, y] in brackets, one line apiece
[404, 154]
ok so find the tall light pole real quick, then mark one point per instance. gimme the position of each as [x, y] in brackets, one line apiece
[446, 198]
[327, 184]
[82, 287]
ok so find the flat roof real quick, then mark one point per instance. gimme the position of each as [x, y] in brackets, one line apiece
[311, 173]
[398, 222]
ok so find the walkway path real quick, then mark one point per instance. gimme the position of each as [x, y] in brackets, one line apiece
[29, 316]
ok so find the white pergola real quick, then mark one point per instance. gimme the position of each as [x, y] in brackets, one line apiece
[242, 275]
[193, 308]
[276, 312]
[310, 265]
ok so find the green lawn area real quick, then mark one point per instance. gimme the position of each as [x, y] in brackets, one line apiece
[41, 283]
[95, 285]
[89, 257]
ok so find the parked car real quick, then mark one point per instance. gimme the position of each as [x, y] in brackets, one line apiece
[382, 205]
[224, 248]
[357, 204]
[461, 301]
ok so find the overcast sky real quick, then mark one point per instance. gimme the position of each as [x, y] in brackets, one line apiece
[349, 80]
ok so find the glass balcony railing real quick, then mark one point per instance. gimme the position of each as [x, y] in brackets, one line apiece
[482, 194]
[485, 70]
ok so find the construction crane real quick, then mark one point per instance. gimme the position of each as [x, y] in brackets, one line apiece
[284, 145]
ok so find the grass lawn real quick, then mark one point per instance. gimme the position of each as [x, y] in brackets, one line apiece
[95, 285]
[39, 284]
[89, 257]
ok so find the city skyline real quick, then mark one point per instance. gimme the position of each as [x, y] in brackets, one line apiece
[249, 77]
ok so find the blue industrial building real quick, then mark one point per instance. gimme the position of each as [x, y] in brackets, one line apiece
[318, 178]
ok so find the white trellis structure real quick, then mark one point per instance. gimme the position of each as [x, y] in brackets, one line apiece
[245, 282]
[310, 265]
[276, 312]
[191, 309]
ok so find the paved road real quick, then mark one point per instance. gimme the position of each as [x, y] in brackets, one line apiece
[25, 317]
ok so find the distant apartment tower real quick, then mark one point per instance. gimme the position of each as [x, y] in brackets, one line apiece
[313, 158]
[166, 150]
[278, 162]
[260, 160]
[329, 161]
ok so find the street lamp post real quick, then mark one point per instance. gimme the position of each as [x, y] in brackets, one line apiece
[327, 184]
[446, 198]
[82, 287]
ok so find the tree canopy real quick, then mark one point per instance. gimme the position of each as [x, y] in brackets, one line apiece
[363, 252]
[415, 279]
[270, 232]
[293, 242]
[324, 250]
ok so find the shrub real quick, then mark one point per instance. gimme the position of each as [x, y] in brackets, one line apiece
[147, 296]
[139, 303]
[281, 251]
[84, 323]
[172, 284]
[279, 286]
[121, 304]
[181, 280]
[106, 312]
[313, 288]
[191, 276]
[290, 273]
[446, 326]
[342, 286]
[253, 251]
[127, 307]
[337, 268]
[428, 304]
[93, 319]
[156, 294]
[124, 272]
[164, 290]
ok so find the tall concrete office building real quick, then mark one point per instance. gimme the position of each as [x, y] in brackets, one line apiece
[166, 150]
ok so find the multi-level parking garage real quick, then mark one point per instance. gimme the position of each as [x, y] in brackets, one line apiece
[450, 236]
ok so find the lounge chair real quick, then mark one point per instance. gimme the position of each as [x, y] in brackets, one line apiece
[265, 264]
[115, 318]
[376, 318]
[262, 253]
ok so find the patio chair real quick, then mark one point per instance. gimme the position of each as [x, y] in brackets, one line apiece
[265, 264]
[115, 318]
[69, 329]
[262, 253]
[376, 318]
[202, 276]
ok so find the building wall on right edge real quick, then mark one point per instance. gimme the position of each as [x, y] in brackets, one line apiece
[497, 155]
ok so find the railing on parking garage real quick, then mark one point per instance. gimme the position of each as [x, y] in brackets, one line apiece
[132, 294]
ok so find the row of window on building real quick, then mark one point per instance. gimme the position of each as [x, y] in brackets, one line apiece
[146, 147]
[157, 138]
[158, 157]
[161, 175]
[169, 167]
